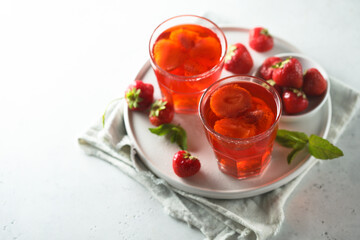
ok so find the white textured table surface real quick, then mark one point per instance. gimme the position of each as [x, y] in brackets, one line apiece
[61, 62]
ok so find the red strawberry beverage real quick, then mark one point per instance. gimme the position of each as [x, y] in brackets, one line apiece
[240, 115]
[187, 55]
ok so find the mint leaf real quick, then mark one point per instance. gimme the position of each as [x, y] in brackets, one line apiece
[161, 130]
[175, 133]
[291, 139]
[318, 147]
[292, 154]
[323, 149]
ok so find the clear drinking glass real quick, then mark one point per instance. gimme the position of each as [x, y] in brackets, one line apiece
[242, 157]
[187, 55]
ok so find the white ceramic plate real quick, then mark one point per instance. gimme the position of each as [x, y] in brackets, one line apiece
[157, 152]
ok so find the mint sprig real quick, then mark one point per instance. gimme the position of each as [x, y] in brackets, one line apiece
[175, 133]
[318, 147]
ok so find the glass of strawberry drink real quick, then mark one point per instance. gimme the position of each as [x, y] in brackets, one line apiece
[240, 115]
[187, 55]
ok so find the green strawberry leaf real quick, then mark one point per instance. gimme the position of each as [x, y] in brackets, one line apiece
[175, 133]
[323, 149]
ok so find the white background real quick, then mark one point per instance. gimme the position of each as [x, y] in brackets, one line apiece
[62, 62]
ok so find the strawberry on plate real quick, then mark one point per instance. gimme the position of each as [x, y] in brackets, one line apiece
[161, 112]
[266, 69]
[288, 73]
[185, 165]
[314, 83]
[260, 40]
[294, 101]
[238, 59]
[139, 95]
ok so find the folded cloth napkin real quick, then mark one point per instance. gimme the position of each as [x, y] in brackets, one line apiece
[256, 217]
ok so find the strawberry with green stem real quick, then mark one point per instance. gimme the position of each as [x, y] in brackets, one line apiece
[185, 165]
[139, 95]
[288, 73]
[161, 112]
[294, 101]
[238, 59]
[260, 39]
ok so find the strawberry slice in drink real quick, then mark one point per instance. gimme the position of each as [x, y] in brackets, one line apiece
[168, 54]
[235, 127]
[185, 37]
[260, 114]
[230, 101]
[207, 48]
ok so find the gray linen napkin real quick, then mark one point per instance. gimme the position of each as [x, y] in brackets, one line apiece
[256, 217]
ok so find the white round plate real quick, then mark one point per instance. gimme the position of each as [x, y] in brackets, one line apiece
[157, 152]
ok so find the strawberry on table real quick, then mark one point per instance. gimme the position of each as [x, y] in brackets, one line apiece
[238, 59]
[185, 165]
[294, 101]
[288, 73]
[266, 69]
[161, 112]
[139, 95]
[260, 40]
[314, 83]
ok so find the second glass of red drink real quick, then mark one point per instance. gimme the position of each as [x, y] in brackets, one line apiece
[240, 115]
[187, 55]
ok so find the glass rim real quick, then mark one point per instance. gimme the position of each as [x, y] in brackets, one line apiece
[249, 139]
[193, 77]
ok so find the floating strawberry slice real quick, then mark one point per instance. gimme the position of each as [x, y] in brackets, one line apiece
[168, 54]
[185, 37]
[208, 48]
[230, 101]
[235, 127]
[260, 114]
[193, 67]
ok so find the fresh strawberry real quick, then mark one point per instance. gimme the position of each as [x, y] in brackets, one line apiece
[260, 40]
[184, 164]
[288, 73]
[139, 95]
[161, 112]
[266, 68]
[294, 101]
[314, 83]
[238, 59]
[230, 101]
